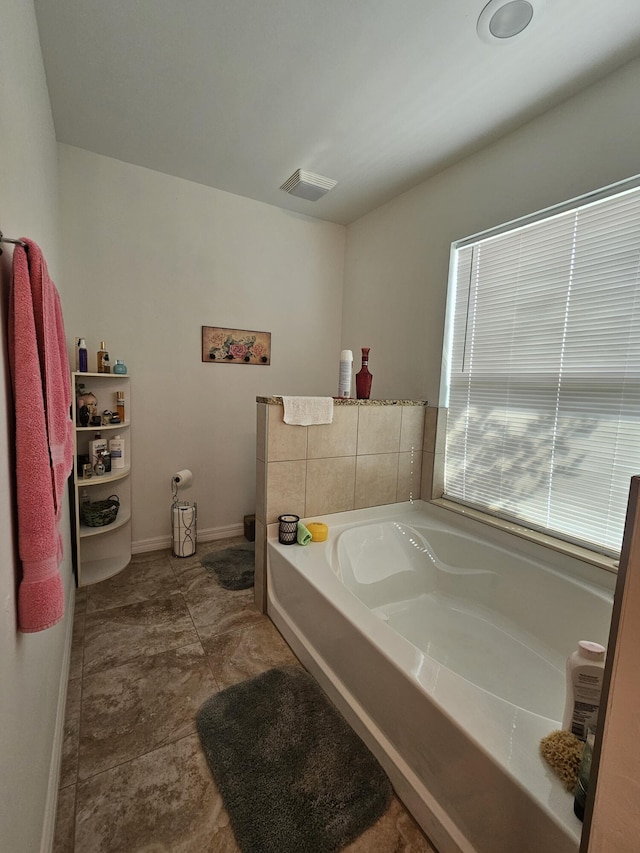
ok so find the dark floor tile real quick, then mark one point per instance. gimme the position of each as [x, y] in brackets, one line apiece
[246, 648]
[121, 634]
[165, 800]
[63, 841]
[71, 734]
[80, 604]
[74, 697]
[140, 581]
[77, 645]
[395, 832]
[211, 605]
[150, 556]
[134, 708]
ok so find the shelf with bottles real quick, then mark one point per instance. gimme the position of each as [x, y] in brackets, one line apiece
[103, 361]
[87, 458]
[109, 441]
[109, 477]
[97, 395]
[101, 551]
[97, 428]
[102, 375]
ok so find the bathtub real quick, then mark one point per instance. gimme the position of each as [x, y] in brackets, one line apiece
[443, 641]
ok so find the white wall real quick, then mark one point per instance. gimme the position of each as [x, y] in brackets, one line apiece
[150, 259]
[397, 256]
[31, 665]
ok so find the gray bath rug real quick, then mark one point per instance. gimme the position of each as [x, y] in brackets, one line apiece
[234, 567]
[292, 774]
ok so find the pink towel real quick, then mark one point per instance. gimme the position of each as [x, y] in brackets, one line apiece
[44, 434]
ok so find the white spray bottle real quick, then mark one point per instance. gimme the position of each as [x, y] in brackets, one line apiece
[346, 373]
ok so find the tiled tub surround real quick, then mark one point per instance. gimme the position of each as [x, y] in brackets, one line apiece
[375, 452]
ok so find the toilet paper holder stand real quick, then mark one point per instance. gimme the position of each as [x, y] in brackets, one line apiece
[184, 517]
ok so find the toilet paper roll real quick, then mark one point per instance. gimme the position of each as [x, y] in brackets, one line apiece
[183, 479]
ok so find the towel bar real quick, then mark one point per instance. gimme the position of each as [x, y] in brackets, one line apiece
[4, 239]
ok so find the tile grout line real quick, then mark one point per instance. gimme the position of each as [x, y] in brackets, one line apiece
[157, 747]
[195, 628]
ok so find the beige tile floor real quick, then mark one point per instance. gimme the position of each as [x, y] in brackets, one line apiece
[149, 646]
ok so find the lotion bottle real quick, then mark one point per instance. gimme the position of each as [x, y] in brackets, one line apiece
[97, 447]
[346, 372]
[116, 448]
[585, 671]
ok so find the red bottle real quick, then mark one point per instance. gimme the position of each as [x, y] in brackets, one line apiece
[363, 377]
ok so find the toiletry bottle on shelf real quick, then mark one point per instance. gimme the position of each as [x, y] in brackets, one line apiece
[120, 367]
[345, 375]
[363, 377]
[120, 405]
[99, 469]
[103, 359]
[82, 356]
[116, 448]
[585, 670]
[96, 448]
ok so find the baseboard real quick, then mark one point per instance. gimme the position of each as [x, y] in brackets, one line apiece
[158, 543]
[51, 805]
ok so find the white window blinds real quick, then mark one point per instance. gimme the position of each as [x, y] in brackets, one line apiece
[544, 371]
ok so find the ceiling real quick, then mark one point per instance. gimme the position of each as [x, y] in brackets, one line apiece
[375, 94]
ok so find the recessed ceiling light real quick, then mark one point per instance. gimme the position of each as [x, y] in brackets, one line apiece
[307, 185]
[501, 20]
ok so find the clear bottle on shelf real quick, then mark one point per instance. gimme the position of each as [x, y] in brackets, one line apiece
[102, 357]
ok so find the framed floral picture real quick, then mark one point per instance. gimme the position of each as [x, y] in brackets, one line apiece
[235, 346]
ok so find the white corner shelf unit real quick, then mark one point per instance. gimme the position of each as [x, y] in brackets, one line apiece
[101, 552]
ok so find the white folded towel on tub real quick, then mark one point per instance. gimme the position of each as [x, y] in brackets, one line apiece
[305, 411]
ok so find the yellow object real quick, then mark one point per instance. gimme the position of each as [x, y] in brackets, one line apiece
[318, 531]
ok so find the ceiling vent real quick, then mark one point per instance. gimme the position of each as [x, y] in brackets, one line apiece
[307, 185]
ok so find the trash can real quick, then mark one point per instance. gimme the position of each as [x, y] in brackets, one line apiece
[250, 528]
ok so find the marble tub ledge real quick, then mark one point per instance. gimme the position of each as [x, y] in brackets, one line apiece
[351, 401]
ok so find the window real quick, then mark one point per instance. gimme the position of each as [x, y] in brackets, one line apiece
[542, 368]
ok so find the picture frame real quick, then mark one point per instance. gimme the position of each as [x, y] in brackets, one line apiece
[235, 346]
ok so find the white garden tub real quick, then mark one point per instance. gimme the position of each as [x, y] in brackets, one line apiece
[443, 641]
